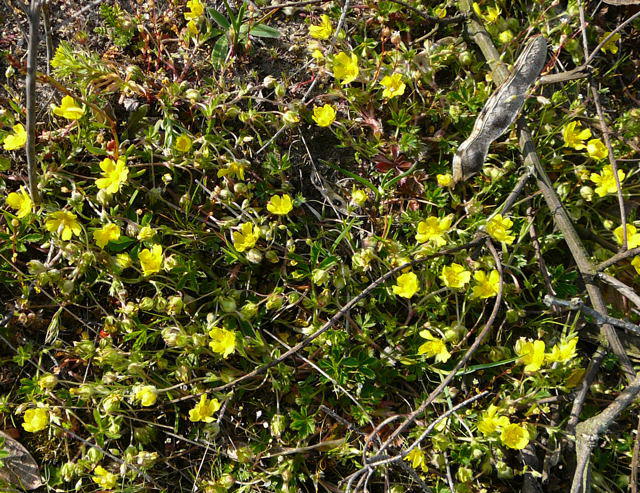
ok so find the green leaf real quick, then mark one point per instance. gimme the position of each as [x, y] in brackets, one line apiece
[220, 19]
[359, 179]
[219, 52]
[264, 31]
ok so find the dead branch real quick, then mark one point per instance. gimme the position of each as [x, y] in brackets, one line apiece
[30, 85]
[617, 258]
[588, 433]
[621, 287]
[560, 215]
[576, 304]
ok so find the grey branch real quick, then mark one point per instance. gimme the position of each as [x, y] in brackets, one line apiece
[30, 84]
[588, 432]
[576, 304]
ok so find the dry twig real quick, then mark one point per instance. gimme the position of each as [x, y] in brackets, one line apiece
[30, 85]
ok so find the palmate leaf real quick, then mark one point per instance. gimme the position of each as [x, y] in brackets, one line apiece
[18, 466]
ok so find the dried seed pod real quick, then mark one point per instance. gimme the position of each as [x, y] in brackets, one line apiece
[500, 110]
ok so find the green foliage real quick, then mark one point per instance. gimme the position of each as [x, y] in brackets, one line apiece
[118, 25]
[209, 224]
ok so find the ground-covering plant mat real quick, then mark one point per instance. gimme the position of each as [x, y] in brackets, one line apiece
[319, 246]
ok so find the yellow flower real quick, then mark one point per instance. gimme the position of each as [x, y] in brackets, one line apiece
[147, 395]
[291, 117]
[20, 201]
[596, 149]
[606, 181]
[491, 422]
[491, 15]
[487, 286]
[324, 115]
[192, 27]
[417, 458]
[246, 238]
[633, 237]
[358, 197]
[146, 233]
[434, 347]
[574, 137]
[203, 410]
[440, 12]
[445, 180]
[196, 9]
[407, 285]
[69, 109]
[183, 143]
[612, 45]
[63, 223]
[222, 341]
[531, 354]
[455, 276]
[108, 232]
[432, 229]
[515, 436]
[345, 67]
[322, 31]
[393, 86]
[636, 264]
[114, 175]
[563, 352]
[123, 260]
[36, 419]
[151, 260]
[498, 228]
[280, 205]
[105, 479]
[17, 139]
[234, 168]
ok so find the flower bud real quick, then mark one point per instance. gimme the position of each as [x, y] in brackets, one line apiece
[586, 192]
[228, 305]
[249, 310]
[254, 256]
[175, 305]
[146, 304]
[278, 424]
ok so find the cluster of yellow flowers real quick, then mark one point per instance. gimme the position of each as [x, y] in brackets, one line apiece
[68, 109]
[204, 410]
[435, 347]
[21, 202]
[105, 479]
[146, 394]
[196, 10]
[606, 180]
[453, 276]
[489, 15]
[15, 140]
[532, 353]
[36, 419]
[574, 137]
[223, 341]
[512, 435]
[324, 116]
[499, 228]
[248, 235]
[633, 236]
